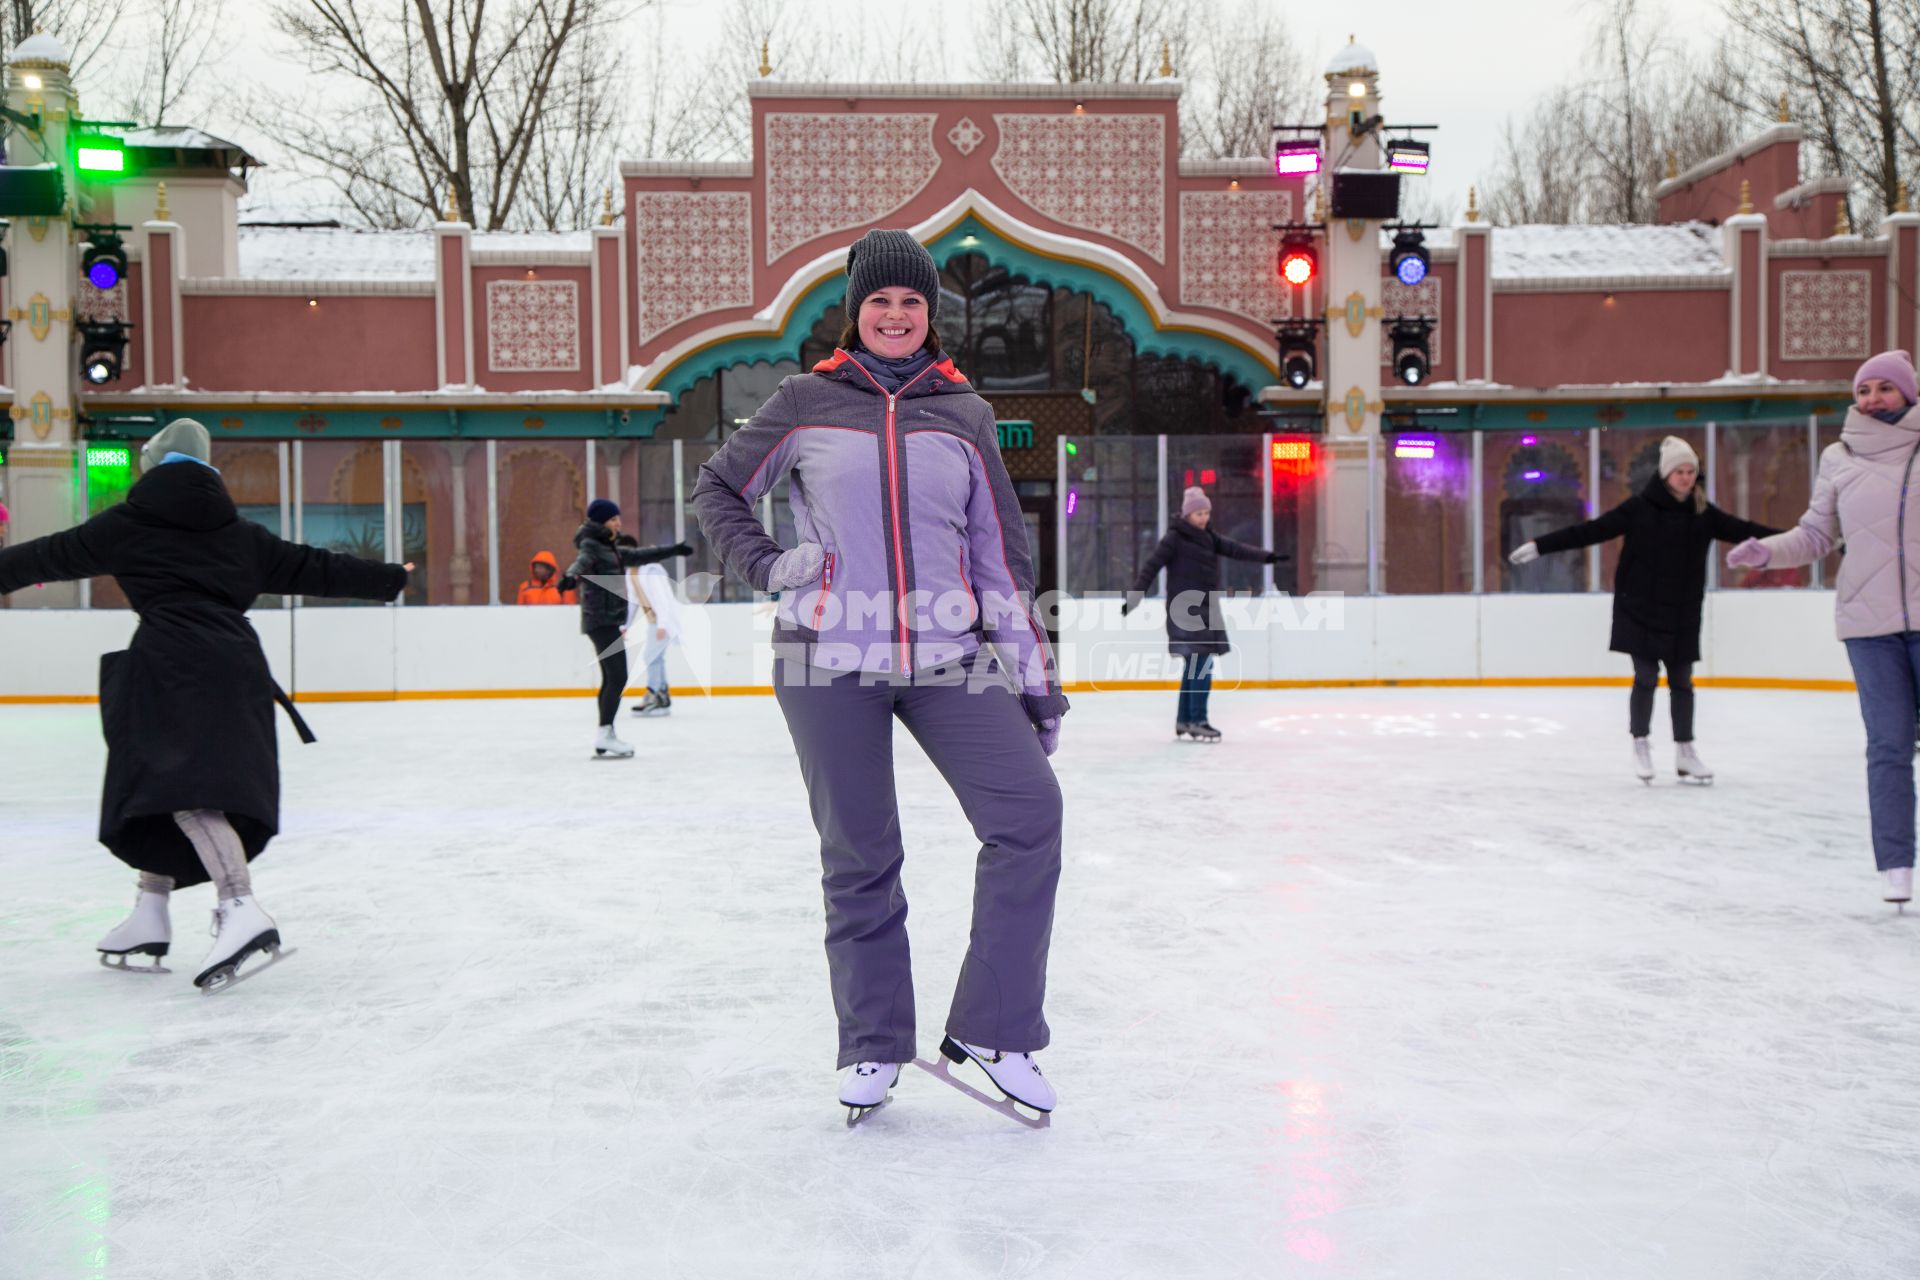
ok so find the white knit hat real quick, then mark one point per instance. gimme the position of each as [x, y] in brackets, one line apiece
[1675, 452]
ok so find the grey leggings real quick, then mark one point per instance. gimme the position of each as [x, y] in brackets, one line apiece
[220, 850]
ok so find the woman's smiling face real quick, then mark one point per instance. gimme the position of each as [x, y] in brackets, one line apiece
[893, 322]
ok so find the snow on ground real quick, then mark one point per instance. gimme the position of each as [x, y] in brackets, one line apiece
[1393, 983]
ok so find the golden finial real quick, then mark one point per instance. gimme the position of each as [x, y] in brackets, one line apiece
[1673, 164]
[606, 208]
[453, 206]
[1842, 227]
[1746, 196]
[1900, 200]
[1786, 116]
[1473, 204]
[766, 67]
[160, 213]
[1166, 59]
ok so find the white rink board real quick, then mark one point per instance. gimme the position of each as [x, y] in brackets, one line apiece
[1412, 983]
[378, 651]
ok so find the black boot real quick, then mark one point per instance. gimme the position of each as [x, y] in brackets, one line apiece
[1204, 732]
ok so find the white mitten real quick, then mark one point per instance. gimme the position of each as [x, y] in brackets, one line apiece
[798, 567]
[1525, 553]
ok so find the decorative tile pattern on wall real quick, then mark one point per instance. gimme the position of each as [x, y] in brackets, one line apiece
[1229, 252]
[1825, 315]
[1421, 299]
[834, 172]
[695, 254]
[533, 326]
[966, 135]
[98, 305]
[1104, 173]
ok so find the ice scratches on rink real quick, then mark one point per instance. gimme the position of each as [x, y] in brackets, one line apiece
[1360, 996]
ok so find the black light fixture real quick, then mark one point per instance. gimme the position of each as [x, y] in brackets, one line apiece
[1412, 362]
[1409, 260]
[105, 262]
[103, 350]
[1299, 352]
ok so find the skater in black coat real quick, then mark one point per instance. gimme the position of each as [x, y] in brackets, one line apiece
[192, 790]
[1196, 633]
[599, 572]
[1659, 589]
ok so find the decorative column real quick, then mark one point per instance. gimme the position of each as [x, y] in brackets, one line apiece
[460, 570]
[1473, 295]
[453, 297]
[1902, 230]
[609, 298]
[44, 492]
[161, 353]
[1351, 264]
[1746, 249]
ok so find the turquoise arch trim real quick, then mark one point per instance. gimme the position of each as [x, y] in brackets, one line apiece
[971, 235]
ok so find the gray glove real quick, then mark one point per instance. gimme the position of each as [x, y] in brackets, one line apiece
[1049, 731]
[1525, 553]
[798, 567]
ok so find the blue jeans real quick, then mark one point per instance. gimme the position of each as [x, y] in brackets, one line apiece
[1196, 682]
[1886, 669]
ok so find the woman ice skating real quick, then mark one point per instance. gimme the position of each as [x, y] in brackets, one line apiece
[1865, 497]
[912, 557]
[654, 607]
[599, 575]
[1190, 552]
[1658, 591]
[193, 777]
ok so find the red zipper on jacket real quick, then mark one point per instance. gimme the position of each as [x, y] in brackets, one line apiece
[826, 589]
[893, 498]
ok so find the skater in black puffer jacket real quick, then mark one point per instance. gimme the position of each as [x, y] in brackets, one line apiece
[193, 774]
[1196, 633]
[1659, 590]
[599, 572]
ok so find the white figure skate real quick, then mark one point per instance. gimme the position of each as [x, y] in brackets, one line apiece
[1899, 887]
[864, 1088]
[608, 746]
[240, 929]
[147, 932]
[1643, 760]
[1690, 766]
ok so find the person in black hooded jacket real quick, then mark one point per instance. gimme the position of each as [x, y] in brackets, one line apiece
[1196, 634]
[1659, 589]
[192, 791]
[599, 572]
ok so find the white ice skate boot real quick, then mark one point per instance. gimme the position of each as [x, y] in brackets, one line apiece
[147, 932]
[240, 929]
[1015, 1074]
[1899, 884]
[864, 1087]
[607, 745]
[1690, 766]
[1643, 760]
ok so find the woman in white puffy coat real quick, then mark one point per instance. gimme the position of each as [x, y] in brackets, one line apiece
[1866, 496]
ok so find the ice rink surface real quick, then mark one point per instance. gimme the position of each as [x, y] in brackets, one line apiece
[1394, 983]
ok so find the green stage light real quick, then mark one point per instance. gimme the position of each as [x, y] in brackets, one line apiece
[99, 157]
[107, 456]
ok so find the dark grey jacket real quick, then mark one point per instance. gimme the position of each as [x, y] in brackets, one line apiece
[1191, 558]
[599, 573]
[926, 550]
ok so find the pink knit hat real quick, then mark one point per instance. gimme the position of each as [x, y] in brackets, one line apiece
[1195, 500]
[1896, 367]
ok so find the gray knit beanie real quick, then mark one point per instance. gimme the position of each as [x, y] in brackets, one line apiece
[882, 258]
[182, 435]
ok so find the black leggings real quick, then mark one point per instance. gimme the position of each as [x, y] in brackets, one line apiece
[1646, 677]
[610, 644]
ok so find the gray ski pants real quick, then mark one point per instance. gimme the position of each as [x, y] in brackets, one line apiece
[980, 739]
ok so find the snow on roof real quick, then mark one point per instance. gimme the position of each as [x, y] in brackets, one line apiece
[335, 253]
[501, 242]
[1355, 57]
[1541, 252]
[40, 47]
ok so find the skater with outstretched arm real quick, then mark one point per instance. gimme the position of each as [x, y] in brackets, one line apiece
[1191, 552]
[1659, 591]
[599, 574]
[1865, 496]
[192, 790]
[912, 559]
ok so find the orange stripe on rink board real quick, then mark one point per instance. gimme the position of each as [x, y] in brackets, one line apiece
[1117, 686]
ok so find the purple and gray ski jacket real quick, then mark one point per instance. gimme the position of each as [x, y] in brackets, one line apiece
[926, 550]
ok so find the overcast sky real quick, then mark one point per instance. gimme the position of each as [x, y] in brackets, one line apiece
[1466, 66]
